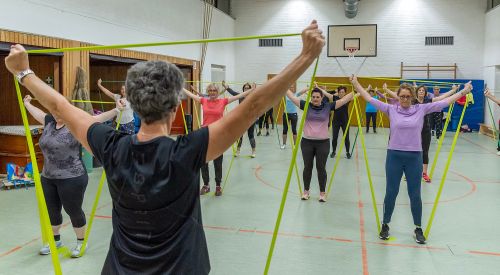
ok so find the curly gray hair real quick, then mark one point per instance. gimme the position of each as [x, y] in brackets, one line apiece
[153, 89]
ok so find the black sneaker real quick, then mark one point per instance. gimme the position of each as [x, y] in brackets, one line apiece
[332, 155]
[267, 133]
[348, 155]
[259, 133]
[384, 232]
[419, 236]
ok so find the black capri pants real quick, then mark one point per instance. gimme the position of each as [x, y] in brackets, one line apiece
[67, 193]
[292, 119]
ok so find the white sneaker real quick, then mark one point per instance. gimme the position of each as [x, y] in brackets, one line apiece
[322, 197]
[305, 195]
[75, 251]
[253, 155]
[498, 153]
[282, 147]
[237, 154]
[45, 250]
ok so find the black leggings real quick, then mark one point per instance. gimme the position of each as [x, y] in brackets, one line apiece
[335, 135]
[264, 119]
[436, 122]
[250, 133]
[218, 171]
[67, 193]
[426, 144]
[373, 117]
[319, 149]
[292, 118]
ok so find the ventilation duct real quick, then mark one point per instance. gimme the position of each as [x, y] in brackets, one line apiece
[351, 8]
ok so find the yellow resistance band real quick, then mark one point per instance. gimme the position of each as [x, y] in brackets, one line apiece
[440, 143]
[412, 80]
[155, 44]
[96, 200]
[337, 160]
[292, 142]
[184, 119]
[46, 229]
[443, 178]
[289, 175]
[368, 171]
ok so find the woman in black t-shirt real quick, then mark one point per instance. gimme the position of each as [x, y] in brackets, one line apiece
[153, 179]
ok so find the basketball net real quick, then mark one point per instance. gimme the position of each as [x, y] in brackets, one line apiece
[351, 52]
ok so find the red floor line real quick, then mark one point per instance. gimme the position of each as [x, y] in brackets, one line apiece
[259, 178]
[19, 247]
[364, 252]
[484, 253]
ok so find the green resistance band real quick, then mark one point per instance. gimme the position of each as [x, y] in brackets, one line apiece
[96, 200]
[46, 229]
[337, 159]
[443, 178]
[155, 44]
[289, 175]
[368, 171]
[441, 139]
[292, 142]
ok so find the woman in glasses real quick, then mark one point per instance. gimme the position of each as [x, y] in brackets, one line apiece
[404, 153]
[213, 110]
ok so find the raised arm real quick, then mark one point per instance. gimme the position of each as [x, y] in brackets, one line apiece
[238, 96]
[489, 95]
[77, 120]
[390, 92]
[103, 117]
[191, 95]
[366, 96]
[453, 90]
[104, 90]
[225, 131]
[467, 89]
[303, 91]
[294, 99]
[325, 93]
[228, 89]
[346, 99]
[36, 113]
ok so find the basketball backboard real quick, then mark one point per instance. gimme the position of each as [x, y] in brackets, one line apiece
[344, 39]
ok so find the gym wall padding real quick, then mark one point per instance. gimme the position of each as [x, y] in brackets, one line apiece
[475, 112]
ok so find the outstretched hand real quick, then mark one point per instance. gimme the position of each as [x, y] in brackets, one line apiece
[313, 40]
[17, 61]
[487, 92]
[27, 99]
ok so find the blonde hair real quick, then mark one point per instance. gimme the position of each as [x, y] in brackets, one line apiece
[212, 86]
[407, 86]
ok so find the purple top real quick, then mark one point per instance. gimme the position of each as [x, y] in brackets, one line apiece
[317, 119]
[407, 123]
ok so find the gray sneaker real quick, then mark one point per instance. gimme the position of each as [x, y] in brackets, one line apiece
[45, 250]
[75, 251]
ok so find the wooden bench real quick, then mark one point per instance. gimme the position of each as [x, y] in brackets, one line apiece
[487, 130]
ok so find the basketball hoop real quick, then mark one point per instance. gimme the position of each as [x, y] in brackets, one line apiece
[351, 51]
